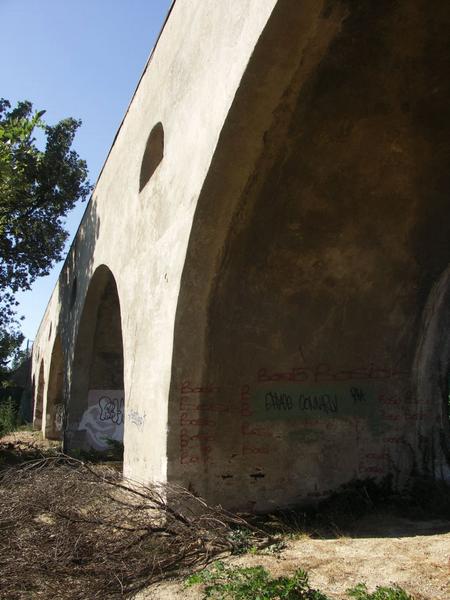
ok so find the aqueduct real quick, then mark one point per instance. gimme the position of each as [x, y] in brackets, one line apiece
[257, 301]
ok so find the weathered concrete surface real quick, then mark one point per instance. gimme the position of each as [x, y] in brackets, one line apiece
[265, 292]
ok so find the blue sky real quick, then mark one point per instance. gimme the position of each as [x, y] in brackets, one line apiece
[77, 58]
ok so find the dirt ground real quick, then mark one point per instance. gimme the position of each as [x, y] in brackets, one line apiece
[381, 550]
[24, 439]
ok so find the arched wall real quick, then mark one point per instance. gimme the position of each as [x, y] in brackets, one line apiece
[311, 255]
[54, 404]
[95, 412]
[39, 397]
[33, 395]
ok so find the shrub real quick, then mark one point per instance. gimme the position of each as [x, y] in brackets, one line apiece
[9, 419]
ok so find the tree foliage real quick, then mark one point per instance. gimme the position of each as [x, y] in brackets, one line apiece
[37, 189]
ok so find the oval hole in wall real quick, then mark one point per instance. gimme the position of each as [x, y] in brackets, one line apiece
[153, 155]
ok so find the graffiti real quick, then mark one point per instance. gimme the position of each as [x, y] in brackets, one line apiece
[194, 459]
[284, 402]
[307, 403]
[59, 417]
[421, 415]
[249, 429]
[391, 399]
[195, 438]
[188, 388]
[103, 419]
[323, 372]
[323, 403]
[111, 409]
[357, 395]
[245, 402]
[136, 418]
[275, 401]
[277, 404]
[374, 461]
[202, 439]
[195, 422]
[187, 403]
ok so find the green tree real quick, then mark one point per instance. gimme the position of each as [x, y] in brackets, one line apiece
[37, 189]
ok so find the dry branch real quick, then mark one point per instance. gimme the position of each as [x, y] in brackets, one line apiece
[70, 530]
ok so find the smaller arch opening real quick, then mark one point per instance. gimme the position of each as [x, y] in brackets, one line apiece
[39, 398]
[95, 416]
[153, 154]
[54, 417]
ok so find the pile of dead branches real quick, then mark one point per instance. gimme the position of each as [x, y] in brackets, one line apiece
[70, 530]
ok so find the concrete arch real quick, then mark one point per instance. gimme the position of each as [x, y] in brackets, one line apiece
[39, 398]
[256, 123]
[95, 413]
[54, 405]
[292, 371]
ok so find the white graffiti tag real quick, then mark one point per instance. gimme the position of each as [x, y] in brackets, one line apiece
[103, 419]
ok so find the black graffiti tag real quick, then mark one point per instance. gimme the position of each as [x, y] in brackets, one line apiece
[111, 409]
[357, 395]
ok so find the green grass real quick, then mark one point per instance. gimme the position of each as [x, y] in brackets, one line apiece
[253, 583]
[222, 582]
[360, 592]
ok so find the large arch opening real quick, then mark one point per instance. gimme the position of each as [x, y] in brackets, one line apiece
[95, 414]
[54, 413]
[39, 398]
[303, 282]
